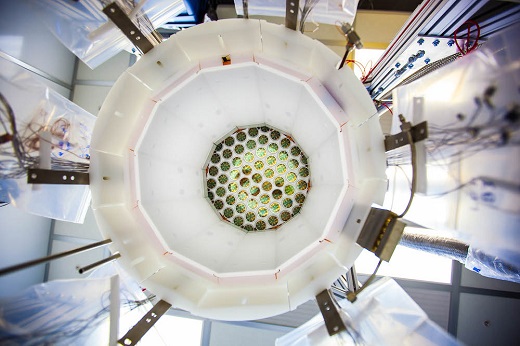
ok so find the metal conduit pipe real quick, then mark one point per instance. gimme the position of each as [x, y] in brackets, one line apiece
[446, 247]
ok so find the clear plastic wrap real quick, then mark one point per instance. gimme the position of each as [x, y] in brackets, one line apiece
[65, 312]
[324, 11]
[54, 313]
[85, 30]
[503, 268]
[41, 116]
[383, 314]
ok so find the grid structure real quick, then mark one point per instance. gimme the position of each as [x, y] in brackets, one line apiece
[257, 178]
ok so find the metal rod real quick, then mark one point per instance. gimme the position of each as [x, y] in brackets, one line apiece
[352, 281]
[98, 263]
[53, 257]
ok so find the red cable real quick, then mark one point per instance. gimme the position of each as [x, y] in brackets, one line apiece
[466, 45]
[384, 104]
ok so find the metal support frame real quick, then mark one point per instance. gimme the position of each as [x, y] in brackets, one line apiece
[121, 20]
[330, 313]
[352, 280]
[292, 7]
[135, 334]
[54, 257]
[48, 176]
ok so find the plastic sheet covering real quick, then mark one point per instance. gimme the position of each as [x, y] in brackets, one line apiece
[494, 266]
[324, 11]
[70, 312]
[52, 313]
[41, 116]
[468, 167]
[85, 30]
[383, 314]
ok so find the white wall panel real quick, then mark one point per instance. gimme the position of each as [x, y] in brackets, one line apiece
[224, 334]
[472, 279]
[90, 97]
[24, 237]
[23, 36]
[108, 71]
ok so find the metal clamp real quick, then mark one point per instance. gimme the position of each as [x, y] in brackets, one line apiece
[135, 334]
[48, 176]
[121, 20]
[419, 133]
[381, 233]
[292, 7]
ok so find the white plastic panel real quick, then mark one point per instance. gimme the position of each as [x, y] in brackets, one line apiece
[204, 264]
[198, 106]
[166, 128]
[121, 115]
[154, 71]
[287, 47]
[312, 126]
[237, 90]
[296, 236]
[255, 251]
[168, 181]
[319, 205]
[220, 40]
[327, 167]
[281, 97]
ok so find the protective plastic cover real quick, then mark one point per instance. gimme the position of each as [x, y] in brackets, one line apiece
[383, 314]
[324, 11]
[84, 29]
[66, 312]
[41, 115]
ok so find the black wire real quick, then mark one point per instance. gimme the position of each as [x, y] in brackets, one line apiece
[343, 59]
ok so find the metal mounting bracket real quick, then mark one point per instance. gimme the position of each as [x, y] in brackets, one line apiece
[419, 133]
[381, 233]
[292, 7]
[48, 176]
[330, 312]
[121, 20]
[135, 334]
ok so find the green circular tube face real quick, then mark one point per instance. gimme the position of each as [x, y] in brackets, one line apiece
[257, 178]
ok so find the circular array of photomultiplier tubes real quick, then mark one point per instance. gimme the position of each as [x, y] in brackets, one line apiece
[257, 178]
